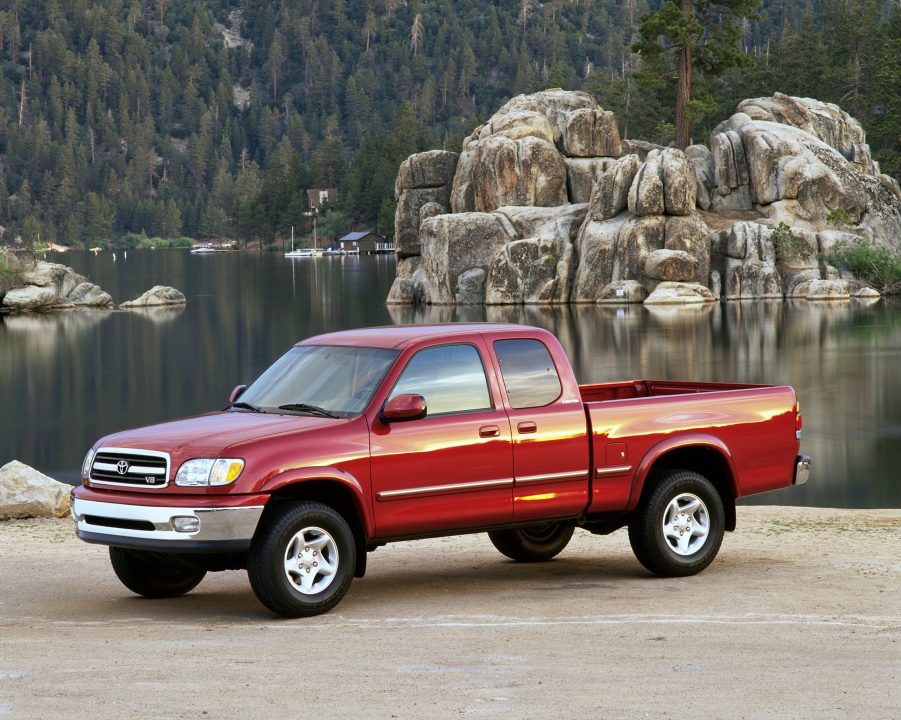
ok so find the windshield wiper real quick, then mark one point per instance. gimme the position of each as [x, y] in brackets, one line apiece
[311, 409]
[246, 406]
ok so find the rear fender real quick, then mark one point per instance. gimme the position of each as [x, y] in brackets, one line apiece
[659, 452]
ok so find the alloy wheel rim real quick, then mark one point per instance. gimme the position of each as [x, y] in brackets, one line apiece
[311, 560]
[686, 524]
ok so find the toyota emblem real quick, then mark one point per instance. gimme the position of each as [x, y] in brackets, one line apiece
[121, 467]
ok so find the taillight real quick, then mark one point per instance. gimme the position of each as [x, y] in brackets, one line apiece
[799, 421]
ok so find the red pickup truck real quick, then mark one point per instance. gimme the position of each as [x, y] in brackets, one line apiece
[355, 439]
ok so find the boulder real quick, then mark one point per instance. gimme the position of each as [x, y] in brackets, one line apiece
[678, 182]
[825, 121]
[610, 195]
[403, 288]
[554, 104]
[407, 216]
[623, 291]
[590, 132]
[157, 295]
[638, 237]
[430, 169]
[676, 293]
[640, 148]
[25, 493]
[516, 125]
[596, 252]
[822, 290]
[90, 295]
[733, 190]
[563, 221]
[31, 297]
[646, 192]
[672, 265]
[690, 234]
[701, 160]
[786, 163]
[582, 174]
[527, 171]
[750, 266]
[471, 287]
[454, 244]
[462, 195]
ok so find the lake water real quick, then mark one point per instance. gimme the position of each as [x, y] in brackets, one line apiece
[68, 378]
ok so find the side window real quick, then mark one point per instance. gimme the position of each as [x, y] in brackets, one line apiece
[528, 371]
[450, 378]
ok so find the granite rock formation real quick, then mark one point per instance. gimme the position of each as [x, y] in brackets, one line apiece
[546, 204]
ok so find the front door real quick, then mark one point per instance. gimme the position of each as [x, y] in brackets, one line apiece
[452, 469]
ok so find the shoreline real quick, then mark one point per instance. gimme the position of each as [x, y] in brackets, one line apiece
[801, 604]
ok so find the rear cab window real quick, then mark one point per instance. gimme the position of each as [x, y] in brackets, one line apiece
[528, 372]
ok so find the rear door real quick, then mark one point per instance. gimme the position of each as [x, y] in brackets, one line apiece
[453, 468]
[550, 443]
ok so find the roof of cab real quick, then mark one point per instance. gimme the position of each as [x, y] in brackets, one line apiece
[402, 336]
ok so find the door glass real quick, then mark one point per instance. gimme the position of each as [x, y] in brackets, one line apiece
[528, 371]
[450, 378]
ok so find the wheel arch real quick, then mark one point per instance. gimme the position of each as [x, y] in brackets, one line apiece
[332, 487]
[703, 454]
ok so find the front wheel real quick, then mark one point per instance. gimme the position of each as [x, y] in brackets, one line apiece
[302, 563]
[152, 575]
[679, 529]
[532, 544]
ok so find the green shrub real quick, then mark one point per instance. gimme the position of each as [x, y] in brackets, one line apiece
[787, 244]
[839, 217]
[10, 273]
[272, 247]
[158, 243]
[877, 265]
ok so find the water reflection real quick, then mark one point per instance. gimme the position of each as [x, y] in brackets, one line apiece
[67, 378]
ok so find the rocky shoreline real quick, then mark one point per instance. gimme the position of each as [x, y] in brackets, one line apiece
[36, 285]
[547, 205]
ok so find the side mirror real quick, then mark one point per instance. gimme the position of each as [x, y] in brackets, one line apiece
[236, 393]
[404, 407]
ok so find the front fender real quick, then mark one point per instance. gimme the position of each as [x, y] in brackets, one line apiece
[656, 452]
[328, 474]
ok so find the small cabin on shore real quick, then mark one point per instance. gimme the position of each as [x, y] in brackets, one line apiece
[365, 242]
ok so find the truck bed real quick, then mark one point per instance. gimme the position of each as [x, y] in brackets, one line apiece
[631, 389]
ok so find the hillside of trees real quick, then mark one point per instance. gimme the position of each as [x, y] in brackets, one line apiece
[211, 118]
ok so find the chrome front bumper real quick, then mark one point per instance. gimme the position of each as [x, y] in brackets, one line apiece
[152, 527]
[802, 470]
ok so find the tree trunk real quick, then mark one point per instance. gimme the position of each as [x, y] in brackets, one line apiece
[683, 91]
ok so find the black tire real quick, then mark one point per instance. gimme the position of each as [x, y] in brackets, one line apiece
[536, 543]
[152, 575]
[663, 556]
[266, 567]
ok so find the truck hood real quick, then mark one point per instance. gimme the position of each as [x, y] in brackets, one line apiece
[212, 434]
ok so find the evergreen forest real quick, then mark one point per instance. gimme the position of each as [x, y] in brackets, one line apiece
[211, 118]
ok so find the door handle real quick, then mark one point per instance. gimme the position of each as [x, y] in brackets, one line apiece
[487, 431]
[527, 427]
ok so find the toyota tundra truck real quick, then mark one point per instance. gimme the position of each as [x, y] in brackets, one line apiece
[355, 439]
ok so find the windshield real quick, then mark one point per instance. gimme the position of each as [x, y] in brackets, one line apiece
[321, 380]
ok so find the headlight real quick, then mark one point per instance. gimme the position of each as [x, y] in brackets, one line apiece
[209, 471]
[86, 464]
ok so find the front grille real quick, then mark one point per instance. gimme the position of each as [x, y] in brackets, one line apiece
[132, 468]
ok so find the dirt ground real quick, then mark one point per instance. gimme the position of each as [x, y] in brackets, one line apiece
[799, 617]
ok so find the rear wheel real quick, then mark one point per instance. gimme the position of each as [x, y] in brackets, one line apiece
[302, 563]
[532, 544]
[678, 530]
[152, 575]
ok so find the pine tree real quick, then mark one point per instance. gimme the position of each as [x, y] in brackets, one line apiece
[700, 34]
